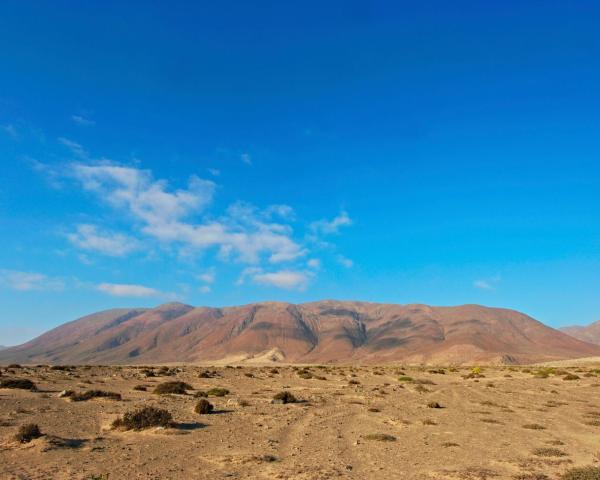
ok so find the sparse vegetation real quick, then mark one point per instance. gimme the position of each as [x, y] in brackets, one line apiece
[203, 407]
[380, 437]
[549, 452]
[21, 383]
[582, 473]
[534, 426]
[28, 432]
[145, 417]
[217, 392]
[177, 388]
[284, 397]
[89, 394]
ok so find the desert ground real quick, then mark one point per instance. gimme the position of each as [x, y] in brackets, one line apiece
[356, 422]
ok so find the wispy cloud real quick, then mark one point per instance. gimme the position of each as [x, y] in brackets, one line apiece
[129, 290]
[286, 279]
[81, 120]
[75, 148]
[27, 281]
[215, 172]
[344, 261]
[246, 158]
[208, 276]
[11, 131]
[487, 284]
[327, 227]
[91, 238]
[314, 263]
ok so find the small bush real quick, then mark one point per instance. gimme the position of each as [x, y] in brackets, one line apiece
[89, 394]
[145, 417]
[571, 376]
[166, 388]
[204, 407]
[284, 397]
[582, 473]
[27, 433]
[140, 388]
[21, 383]
[217, 392]
[14, 365]
[405, 378]
[534, 426]
[380, 437]
[549, 452]
[434, 405]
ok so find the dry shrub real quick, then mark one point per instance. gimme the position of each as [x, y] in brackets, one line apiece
[203, 407]
[145, 417]
[534, 426]
[172, 388]
[21, 383]
[549, 452]
[380, 437]
[284, 397]
[217, 392]
[27, 433]
[89, 394]
[582, 473]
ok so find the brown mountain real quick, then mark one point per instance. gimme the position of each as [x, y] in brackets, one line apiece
[587, 333]
[319, 332]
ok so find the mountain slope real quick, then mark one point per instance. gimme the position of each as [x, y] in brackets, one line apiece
[587, 333]
[326, 331]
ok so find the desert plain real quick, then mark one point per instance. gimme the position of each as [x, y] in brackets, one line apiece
[347, 421]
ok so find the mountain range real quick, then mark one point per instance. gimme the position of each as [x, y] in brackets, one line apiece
[587, 333]
[318, 332]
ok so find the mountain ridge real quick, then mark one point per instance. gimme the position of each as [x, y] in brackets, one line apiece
[588, 333]
[313, 332]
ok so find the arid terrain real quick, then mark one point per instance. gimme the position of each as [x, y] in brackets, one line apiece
[356, 422]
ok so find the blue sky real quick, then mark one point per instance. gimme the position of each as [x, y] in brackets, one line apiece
[220, 153]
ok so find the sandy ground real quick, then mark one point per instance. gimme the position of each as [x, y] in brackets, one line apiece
[478, 434]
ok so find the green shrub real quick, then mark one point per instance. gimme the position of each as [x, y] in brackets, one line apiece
[217, 392]
[145, 417]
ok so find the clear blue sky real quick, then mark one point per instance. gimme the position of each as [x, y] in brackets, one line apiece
[220, 153]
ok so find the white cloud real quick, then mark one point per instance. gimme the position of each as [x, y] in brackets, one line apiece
[326, 227]
[76, 148]
[27, 281]
[84, 122]
[163, 213]
[286, 279]
[204, 289]
[314, 263]
[89, 237]
[208, 276]
[215, 172]
[129, 290]
[487, 284]
[345, 262]
[284, 212]
[246, 158]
